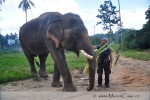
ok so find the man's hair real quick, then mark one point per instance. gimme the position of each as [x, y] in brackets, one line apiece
[104, 38]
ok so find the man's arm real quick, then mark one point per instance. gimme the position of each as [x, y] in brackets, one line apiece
[96, 47]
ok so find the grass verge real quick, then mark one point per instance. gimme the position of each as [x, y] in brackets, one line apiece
[136, 54]
[14, 66]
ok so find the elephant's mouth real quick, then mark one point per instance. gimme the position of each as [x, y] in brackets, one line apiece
[86, 54]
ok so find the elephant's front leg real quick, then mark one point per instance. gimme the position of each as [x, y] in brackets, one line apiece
[42, 71]
[56, 77]
[59, 57]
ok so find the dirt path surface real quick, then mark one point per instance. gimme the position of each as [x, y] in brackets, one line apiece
[129, 75]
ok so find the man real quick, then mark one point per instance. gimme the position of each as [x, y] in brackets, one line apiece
[104, 62]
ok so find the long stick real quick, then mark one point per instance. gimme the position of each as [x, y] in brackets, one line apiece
[101, 48]
[117, 57]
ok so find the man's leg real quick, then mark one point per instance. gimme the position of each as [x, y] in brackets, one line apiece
[100, 80]
[107, 72]
[100, 73]
[107, 80]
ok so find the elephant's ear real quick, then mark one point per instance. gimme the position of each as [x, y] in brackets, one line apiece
[54, 32]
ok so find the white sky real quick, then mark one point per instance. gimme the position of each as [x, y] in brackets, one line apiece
[132, 12]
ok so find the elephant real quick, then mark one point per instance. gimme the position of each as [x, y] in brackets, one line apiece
[53, 33]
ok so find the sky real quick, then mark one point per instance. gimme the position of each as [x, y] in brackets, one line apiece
[132, 13]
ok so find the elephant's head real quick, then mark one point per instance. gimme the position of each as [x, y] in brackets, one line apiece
[70, 33]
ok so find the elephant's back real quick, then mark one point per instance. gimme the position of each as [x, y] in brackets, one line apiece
[39, 24]
[33, 34]
[48, 18]
[49, 14]
[32, 38]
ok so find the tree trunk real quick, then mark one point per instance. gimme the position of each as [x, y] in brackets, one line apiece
[120, 26]
[26, 15]
[110, 33]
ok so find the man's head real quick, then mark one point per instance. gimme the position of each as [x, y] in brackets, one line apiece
[104, 40]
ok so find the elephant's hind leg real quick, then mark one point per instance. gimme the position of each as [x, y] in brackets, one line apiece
[30, 59]
[42, 70]
[56, 77]
[32, 66]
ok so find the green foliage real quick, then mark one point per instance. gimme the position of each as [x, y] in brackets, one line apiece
[143, 38]
[130, 39]
[142, 55]
[1, 2]
[14, 66]
[9, 42]
[96, 39]
[147, 13]
[134, 39]
[146, 27]
[108, 15]
[26, 4]
[10, 50]
[11, 36]
[2, 42]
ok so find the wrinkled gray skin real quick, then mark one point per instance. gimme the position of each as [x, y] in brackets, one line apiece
[53, 32]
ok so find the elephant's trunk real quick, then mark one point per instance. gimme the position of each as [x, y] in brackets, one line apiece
[90, 54]
[87, 49]
[92, 67]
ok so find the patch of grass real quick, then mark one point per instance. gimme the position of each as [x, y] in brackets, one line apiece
[75, 62]
[14, 66]
[136, 54]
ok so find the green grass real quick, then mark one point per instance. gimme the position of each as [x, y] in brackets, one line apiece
[136, 54]
[74, 62]
[14, 66]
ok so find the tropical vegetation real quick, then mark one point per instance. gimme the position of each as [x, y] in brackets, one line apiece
[26, 5]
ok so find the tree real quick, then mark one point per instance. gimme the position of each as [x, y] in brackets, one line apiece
[147, 25]
[131, 39]
[96, 39]
[120, 25]
[2, 42]
[26, 5]
[108, 16]
[147, 13]
[1, 2]
[12, 40]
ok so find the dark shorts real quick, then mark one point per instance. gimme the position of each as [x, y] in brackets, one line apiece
[105, 66]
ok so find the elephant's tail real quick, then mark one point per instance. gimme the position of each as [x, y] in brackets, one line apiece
[37, 63]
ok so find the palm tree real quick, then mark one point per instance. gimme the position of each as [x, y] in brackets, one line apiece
[1, 2]
[26, 5]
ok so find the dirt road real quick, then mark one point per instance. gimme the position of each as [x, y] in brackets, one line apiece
[129, 77]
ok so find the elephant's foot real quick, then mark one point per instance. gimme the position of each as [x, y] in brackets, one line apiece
[43, 74]
[56, 84]
[70, 88]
